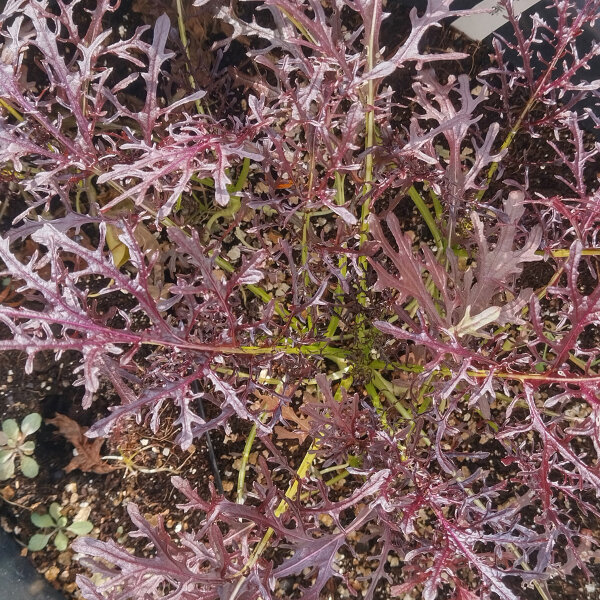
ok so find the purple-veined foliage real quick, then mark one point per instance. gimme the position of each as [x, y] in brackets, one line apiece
[453, 365]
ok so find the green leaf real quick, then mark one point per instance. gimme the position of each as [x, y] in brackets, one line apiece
[55, 511]
[470, 325]
[31, 423]
[354, 461]
[424, 405]
[7, 469]
[11, 429]
[29, 467]
[62, 521]
[80, 527]
[5, 455]
[493, 425]
[38, 541]
[3, 439]
[27, 447]
[61, 541]
[42, 521]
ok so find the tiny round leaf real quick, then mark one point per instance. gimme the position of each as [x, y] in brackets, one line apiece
[29, 467]
[42, 521]
[31, 423]
[5, 455]
[38, 542]
[55, 511]
[80, 527]
[7, 469]
[61, 541]
[11, 429]
[27, 447]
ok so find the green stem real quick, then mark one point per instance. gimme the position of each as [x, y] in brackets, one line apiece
[184, 41]
[369, 137]
[13, 111]
[241, 481]
[427, 216]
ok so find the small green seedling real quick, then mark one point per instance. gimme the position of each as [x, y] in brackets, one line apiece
[57, 523]
[13, 444]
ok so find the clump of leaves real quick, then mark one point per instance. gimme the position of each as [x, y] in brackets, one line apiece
[55, 525]
[405, 356]
[13, 446]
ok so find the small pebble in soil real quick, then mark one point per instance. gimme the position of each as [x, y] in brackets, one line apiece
[51, 573]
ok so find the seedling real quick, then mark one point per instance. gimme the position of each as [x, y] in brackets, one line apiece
[13, 444]
[54, 521]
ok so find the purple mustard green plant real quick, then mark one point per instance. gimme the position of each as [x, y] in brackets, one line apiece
[255, 260]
